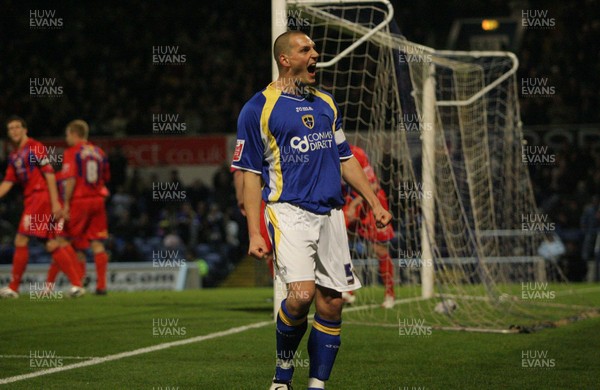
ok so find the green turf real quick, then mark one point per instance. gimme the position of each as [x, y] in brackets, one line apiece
[510, 310]
[371, 357]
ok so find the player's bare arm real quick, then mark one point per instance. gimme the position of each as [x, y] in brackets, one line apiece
[252, 199]
[5, 186]
[354, 175]
[238, 184]
[53, 191]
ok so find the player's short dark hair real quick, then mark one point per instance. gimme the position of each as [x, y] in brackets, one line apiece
[282, 43]
[79, 127]
[16, 118]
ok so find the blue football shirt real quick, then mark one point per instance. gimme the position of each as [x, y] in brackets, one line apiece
[296, 144]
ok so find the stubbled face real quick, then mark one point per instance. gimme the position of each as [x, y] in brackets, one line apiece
[302, 59]
[16, 132]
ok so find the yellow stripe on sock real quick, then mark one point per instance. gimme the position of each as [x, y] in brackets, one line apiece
[327, 329]
[288, 321]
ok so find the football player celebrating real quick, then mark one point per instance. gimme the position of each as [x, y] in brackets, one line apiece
[290, 137]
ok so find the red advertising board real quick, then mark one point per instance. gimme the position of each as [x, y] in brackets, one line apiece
[161, 151]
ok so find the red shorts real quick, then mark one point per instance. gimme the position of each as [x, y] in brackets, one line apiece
[87, 222]
[263, 227]
[365, 224]
[37, 220]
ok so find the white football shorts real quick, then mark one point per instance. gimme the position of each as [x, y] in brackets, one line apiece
[309, 246]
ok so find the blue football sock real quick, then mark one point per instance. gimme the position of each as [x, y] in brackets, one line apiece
[289, 333]
[323, 345]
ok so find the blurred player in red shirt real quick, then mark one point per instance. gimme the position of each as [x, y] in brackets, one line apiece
[84, 173]
[360, 220]
[29, 166]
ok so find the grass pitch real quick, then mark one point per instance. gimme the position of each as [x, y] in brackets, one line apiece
[153, 340]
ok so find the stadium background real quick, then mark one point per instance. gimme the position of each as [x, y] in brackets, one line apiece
[103, 59]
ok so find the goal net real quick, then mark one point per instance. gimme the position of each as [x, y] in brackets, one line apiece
[442, 131]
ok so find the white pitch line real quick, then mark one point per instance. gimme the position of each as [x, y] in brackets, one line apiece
[135, 352]
[576, 291]
[140, 351]
[378, 305]
[53, 357]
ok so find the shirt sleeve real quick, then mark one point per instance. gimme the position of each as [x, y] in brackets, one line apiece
[10, 174]
[42, 160]
[249, 147]
[340, 139]
[68, 166]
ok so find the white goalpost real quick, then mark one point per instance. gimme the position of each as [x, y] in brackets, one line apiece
[442, 130]
[278, 15]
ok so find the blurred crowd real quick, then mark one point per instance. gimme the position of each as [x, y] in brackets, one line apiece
[568, 191]
[112, 80]
[568, 56]
[199, 221]
[103, 58]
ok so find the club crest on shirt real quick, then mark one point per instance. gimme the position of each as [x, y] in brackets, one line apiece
[308, 120]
